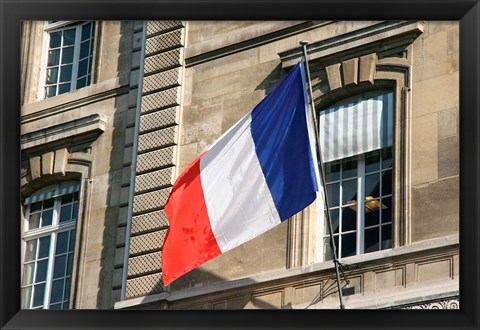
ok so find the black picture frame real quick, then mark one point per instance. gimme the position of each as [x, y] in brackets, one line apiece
[467, 12]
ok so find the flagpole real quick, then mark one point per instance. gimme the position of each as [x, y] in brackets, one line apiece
[322, 175]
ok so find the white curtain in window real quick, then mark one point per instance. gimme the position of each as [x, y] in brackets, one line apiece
[357, 127]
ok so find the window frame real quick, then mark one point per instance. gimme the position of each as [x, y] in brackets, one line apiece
[53, 231]
[325, 250]
[60, 26]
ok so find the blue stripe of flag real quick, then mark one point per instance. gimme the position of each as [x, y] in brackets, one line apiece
[279, 130]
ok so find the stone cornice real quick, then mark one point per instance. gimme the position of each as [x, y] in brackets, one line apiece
[374, 35]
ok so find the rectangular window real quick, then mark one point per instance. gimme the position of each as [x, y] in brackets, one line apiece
[49, 240]
[357, 150]
[69, 58]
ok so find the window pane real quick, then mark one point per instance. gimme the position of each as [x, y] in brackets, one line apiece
[387, 209]
[57, 291]
[349, 190]
[41, 271]
[59, 269]
[72, 240]
[349, 219]
[349, 167]
[55, 39]
[69, 263]
[84, 49]
[69, 37]
[86, 30]
[372, 212]
[48, 203]
[26, 297]
[372, 185]
[333, 194]
[387, 157]
[53, 57]
[372, 161]
[75, 196]
[52, 75]
[67, 198]
[349, 242]
[334, 217]
[82, 68]
[332, 171]
[65, 213]
[47, 218]
[62, 243]
[66, 73]
[64, 88]
[387, 182]
[386, 237]
[82, 82]
[30, 250]
[39, 292]
[34, 221]
[51, 91]
[75, 210]
[67, 288]
[28, 273]
[35, 207]
[44, 247]
[371, 240]
[67, 55]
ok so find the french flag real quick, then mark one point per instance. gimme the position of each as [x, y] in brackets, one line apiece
[259, 173]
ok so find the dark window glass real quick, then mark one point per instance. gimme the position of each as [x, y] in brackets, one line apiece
[372, 161]
[55, 39]
[38, 294]
[387, 209]
[86, 31]
[386, 237]
[48, 203]
[372, 239]
[67, 198]
[349, 192]
[35, 207]
[84, 49]
[69, 37]
[56, 306]
[44, 247]
[60, 266]
[67, 55]
[71, 245]
[349, 167]
[66, 73]
[57, 291]
[82, 82]
[387, 158]
[62, 243]
[47, 217]
[372, 185]
[387, 182]
[332, 171]
[41, 271]
[372, 217]
[349, 219]
[82, 68]
[333, 194]
[53, 57]
[51, 91]
[63, 88]
[349, 242]
[66, 213]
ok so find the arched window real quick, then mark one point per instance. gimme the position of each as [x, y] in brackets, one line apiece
[49, 224]
[357, 149]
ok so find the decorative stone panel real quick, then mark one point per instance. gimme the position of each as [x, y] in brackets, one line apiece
[150, 201]
[161, 80]
[144, 264]
[147, 242]
[149, 221]
[158, 119]
[145, 285]
[157, 27]
[443, 304]
[152, 180]
[163, 42]
[162, 61]
[155, 159]
[160, 100]
[157, 139]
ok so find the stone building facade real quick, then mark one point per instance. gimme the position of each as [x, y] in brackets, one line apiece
[160, 92]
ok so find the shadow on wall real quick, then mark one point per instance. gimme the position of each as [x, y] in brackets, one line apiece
[105, 300]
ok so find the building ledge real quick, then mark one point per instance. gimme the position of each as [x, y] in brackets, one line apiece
[75, 131]
[381, 257]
